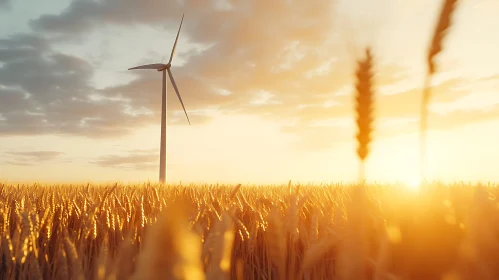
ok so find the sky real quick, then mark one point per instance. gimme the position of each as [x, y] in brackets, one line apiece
[268, 86]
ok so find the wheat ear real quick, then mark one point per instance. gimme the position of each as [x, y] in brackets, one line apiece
[364, 107]
[444, 23]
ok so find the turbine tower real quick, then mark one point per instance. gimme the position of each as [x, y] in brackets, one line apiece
[160, 67]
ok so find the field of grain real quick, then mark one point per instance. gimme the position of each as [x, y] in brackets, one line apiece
[233, 232]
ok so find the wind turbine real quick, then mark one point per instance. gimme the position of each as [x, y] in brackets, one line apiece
[160, 67]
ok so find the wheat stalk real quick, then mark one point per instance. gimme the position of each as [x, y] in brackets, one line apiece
[354, 249]
[444, 23]
[364, 108]
[172, 250]
[34, 271]
[61, 264]
[315, 253]
[223, 238]
[277, 241]
[75, 269]
[124, 260]
[479, 247]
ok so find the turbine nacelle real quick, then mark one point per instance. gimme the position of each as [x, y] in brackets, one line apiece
[165, 67]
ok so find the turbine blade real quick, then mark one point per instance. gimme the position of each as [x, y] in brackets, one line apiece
[155, 66]
[178, 94]
[176, 39]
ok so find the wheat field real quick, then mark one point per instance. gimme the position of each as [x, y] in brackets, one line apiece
[248, 232]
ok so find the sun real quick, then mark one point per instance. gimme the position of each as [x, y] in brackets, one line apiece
[413, 184]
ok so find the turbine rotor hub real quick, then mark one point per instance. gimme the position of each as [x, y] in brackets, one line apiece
[167, 66]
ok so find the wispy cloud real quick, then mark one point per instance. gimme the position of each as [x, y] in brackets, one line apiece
[135, 159]
[31, 157]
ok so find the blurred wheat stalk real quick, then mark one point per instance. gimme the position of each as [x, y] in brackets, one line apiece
[444, 23]
[364, 107]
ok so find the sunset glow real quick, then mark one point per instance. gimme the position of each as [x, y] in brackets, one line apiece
[269, 89]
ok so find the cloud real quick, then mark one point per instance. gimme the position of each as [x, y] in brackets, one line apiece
[31, 157]
[281, 60]
[4, 4]
[80, 16]
[136, 159]
[476, 96]
[45, 91]
[236, 63]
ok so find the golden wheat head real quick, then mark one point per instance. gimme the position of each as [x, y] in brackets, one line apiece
[364, 105]
[444, 23]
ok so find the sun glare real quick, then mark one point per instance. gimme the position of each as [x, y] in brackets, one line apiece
[413, 184]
